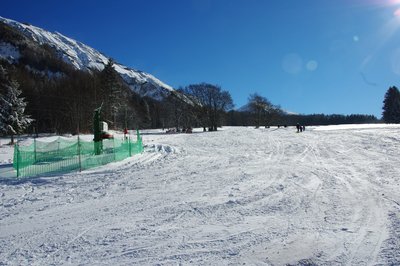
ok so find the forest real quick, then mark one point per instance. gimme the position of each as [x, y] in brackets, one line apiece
[65, 104]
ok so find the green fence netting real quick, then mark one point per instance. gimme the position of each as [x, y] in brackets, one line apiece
[64, 155]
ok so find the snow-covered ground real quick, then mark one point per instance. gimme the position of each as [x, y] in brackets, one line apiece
[236, 196]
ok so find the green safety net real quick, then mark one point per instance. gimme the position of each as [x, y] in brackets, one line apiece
[64, 155]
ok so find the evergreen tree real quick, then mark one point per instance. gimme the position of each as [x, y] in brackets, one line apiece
[391, 106]
[111, 91]
[12, 107]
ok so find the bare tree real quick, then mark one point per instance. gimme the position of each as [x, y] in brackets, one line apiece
[210, 103]
[259, 106]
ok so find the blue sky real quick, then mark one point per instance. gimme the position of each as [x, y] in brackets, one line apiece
[312, 56]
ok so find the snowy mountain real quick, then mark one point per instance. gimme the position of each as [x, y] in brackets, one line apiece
[244, 108]
[83, 57]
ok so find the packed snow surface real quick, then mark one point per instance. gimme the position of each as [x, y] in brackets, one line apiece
[233, 197]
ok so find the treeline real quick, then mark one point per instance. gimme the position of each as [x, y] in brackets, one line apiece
[259, 111]
[64, 103]
[236, 118]
[334, 119]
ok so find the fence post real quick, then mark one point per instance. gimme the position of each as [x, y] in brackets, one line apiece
[139, 141]
[114, 149]
[137, 144]
[34, 148]
[130, 146]
[18, 159]
[79, 154]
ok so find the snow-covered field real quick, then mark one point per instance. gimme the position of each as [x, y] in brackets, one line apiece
[233, 197]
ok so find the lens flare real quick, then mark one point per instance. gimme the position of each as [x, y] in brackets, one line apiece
[391, 10]
[292, 63]
[375, 3]
[312, 65]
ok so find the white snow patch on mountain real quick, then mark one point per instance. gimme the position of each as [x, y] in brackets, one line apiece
[9, 52]
[46, 73]
[290, 112]
[244, 108]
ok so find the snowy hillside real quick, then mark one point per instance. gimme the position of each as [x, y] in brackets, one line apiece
[84, 57]
[239, 196]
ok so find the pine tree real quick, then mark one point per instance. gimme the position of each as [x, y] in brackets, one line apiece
[111, 91]
[391, 106]
[12, 107]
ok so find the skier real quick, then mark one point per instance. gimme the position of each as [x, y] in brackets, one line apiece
[298, 127]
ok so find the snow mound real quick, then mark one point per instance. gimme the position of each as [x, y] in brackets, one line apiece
[159, 148]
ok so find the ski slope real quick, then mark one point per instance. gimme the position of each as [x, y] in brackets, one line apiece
[328, 196]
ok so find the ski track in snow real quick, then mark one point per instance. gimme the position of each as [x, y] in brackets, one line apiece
[239, 195]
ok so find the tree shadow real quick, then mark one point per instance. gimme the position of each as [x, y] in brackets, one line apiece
[5, 165]
[174, 133]
[8, 177]
[14, 181]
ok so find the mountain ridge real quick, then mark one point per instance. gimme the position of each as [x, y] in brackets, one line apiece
[86, 58]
